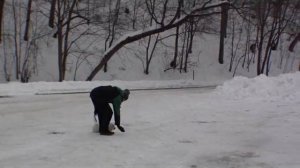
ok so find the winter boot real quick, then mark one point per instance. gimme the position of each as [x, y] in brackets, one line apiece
[106, 133]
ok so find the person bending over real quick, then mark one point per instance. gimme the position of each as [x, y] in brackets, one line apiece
[101, 97]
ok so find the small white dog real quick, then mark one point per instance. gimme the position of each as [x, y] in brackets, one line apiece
[111, 127]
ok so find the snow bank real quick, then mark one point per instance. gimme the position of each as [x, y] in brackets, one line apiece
[16, 88]
[284, 86]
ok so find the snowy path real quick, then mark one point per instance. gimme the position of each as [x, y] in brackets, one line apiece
[164, 129]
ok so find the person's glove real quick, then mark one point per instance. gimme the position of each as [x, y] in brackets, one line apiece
[121, 128]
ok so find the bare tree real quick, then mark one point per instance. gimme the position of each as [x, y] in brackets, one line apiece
[20, 57]
[151, 44]
[187, 33]
[242, 47]
[66, 14]
[271, 19]
[163, 24]
[112, 25]
[134, 16]
[173, 63]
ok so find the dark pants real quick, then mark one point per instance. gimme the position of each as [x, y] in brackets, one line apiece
[104, 113]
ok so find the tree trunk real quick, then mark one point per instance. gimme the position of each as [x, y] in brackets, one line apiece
[224, 19]
[1, 17]
[17, 47]
[173, 64]
[294, 42]
[27, 20]
[150, 55]
[52, 14]
[60, 42]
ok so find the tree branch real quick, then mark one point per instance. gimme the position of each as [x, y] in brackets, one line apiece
[141, 34]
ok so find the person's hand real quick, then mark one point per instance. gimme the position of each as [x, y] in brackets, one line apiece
[121, 128]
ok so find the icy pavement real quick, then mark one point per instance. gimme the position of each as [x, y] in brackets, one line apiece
[245, 123]
[174, 128]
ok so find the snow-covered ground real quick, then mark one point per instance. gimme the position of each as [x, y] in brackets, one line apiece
[42, 88]
[244, 123]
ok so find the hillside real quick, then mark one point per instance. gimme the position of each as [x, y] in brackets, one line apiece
[198, 44]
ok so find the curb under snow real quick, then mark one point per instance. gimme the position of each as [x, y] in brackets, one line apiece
[73, 87]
